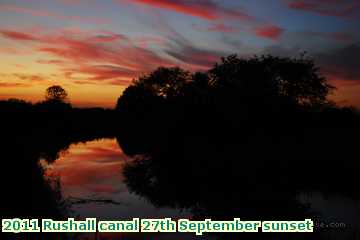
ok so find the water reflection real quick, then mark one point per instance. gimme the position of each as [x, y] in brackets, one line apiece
[91, 177]
[101, 181]
[89, 169]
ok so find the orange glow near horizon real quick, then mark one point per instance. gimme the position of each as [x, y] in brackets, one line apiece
[86, 95]
[90, 95]
[94, 49]
[347, 93]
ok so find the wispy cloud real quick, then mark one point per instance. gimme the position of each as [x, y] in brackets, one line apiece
[271, 32]
[221, 27]
[100, 55]
[337, 8]
[17, 35]
[13, 84]
[47, 13]
[216, 14]
[194, 57]
[204, 9]
[29, 77]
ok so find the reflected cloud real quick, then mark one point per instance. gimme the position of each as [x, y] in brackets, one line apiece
[88, 168]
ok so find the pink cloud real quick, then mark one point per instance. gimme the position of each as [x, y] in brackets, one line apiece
[104, 72]
[204, 9]
[103, 55]
[17, 35]
[270, 32]
[345, 8]
[47, 13]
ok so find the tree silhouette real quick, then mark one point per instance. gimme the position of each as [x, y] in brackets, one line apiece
[265, 82]
[164, 82]
[297, 79]
[268, 102]
[149, 94]
[56, 93]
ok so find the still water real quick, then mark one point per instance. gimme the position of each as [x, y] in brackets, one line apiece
[91, 178]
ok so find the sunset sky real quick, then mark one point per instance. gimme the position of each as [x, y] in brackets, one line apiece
[94, 48]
